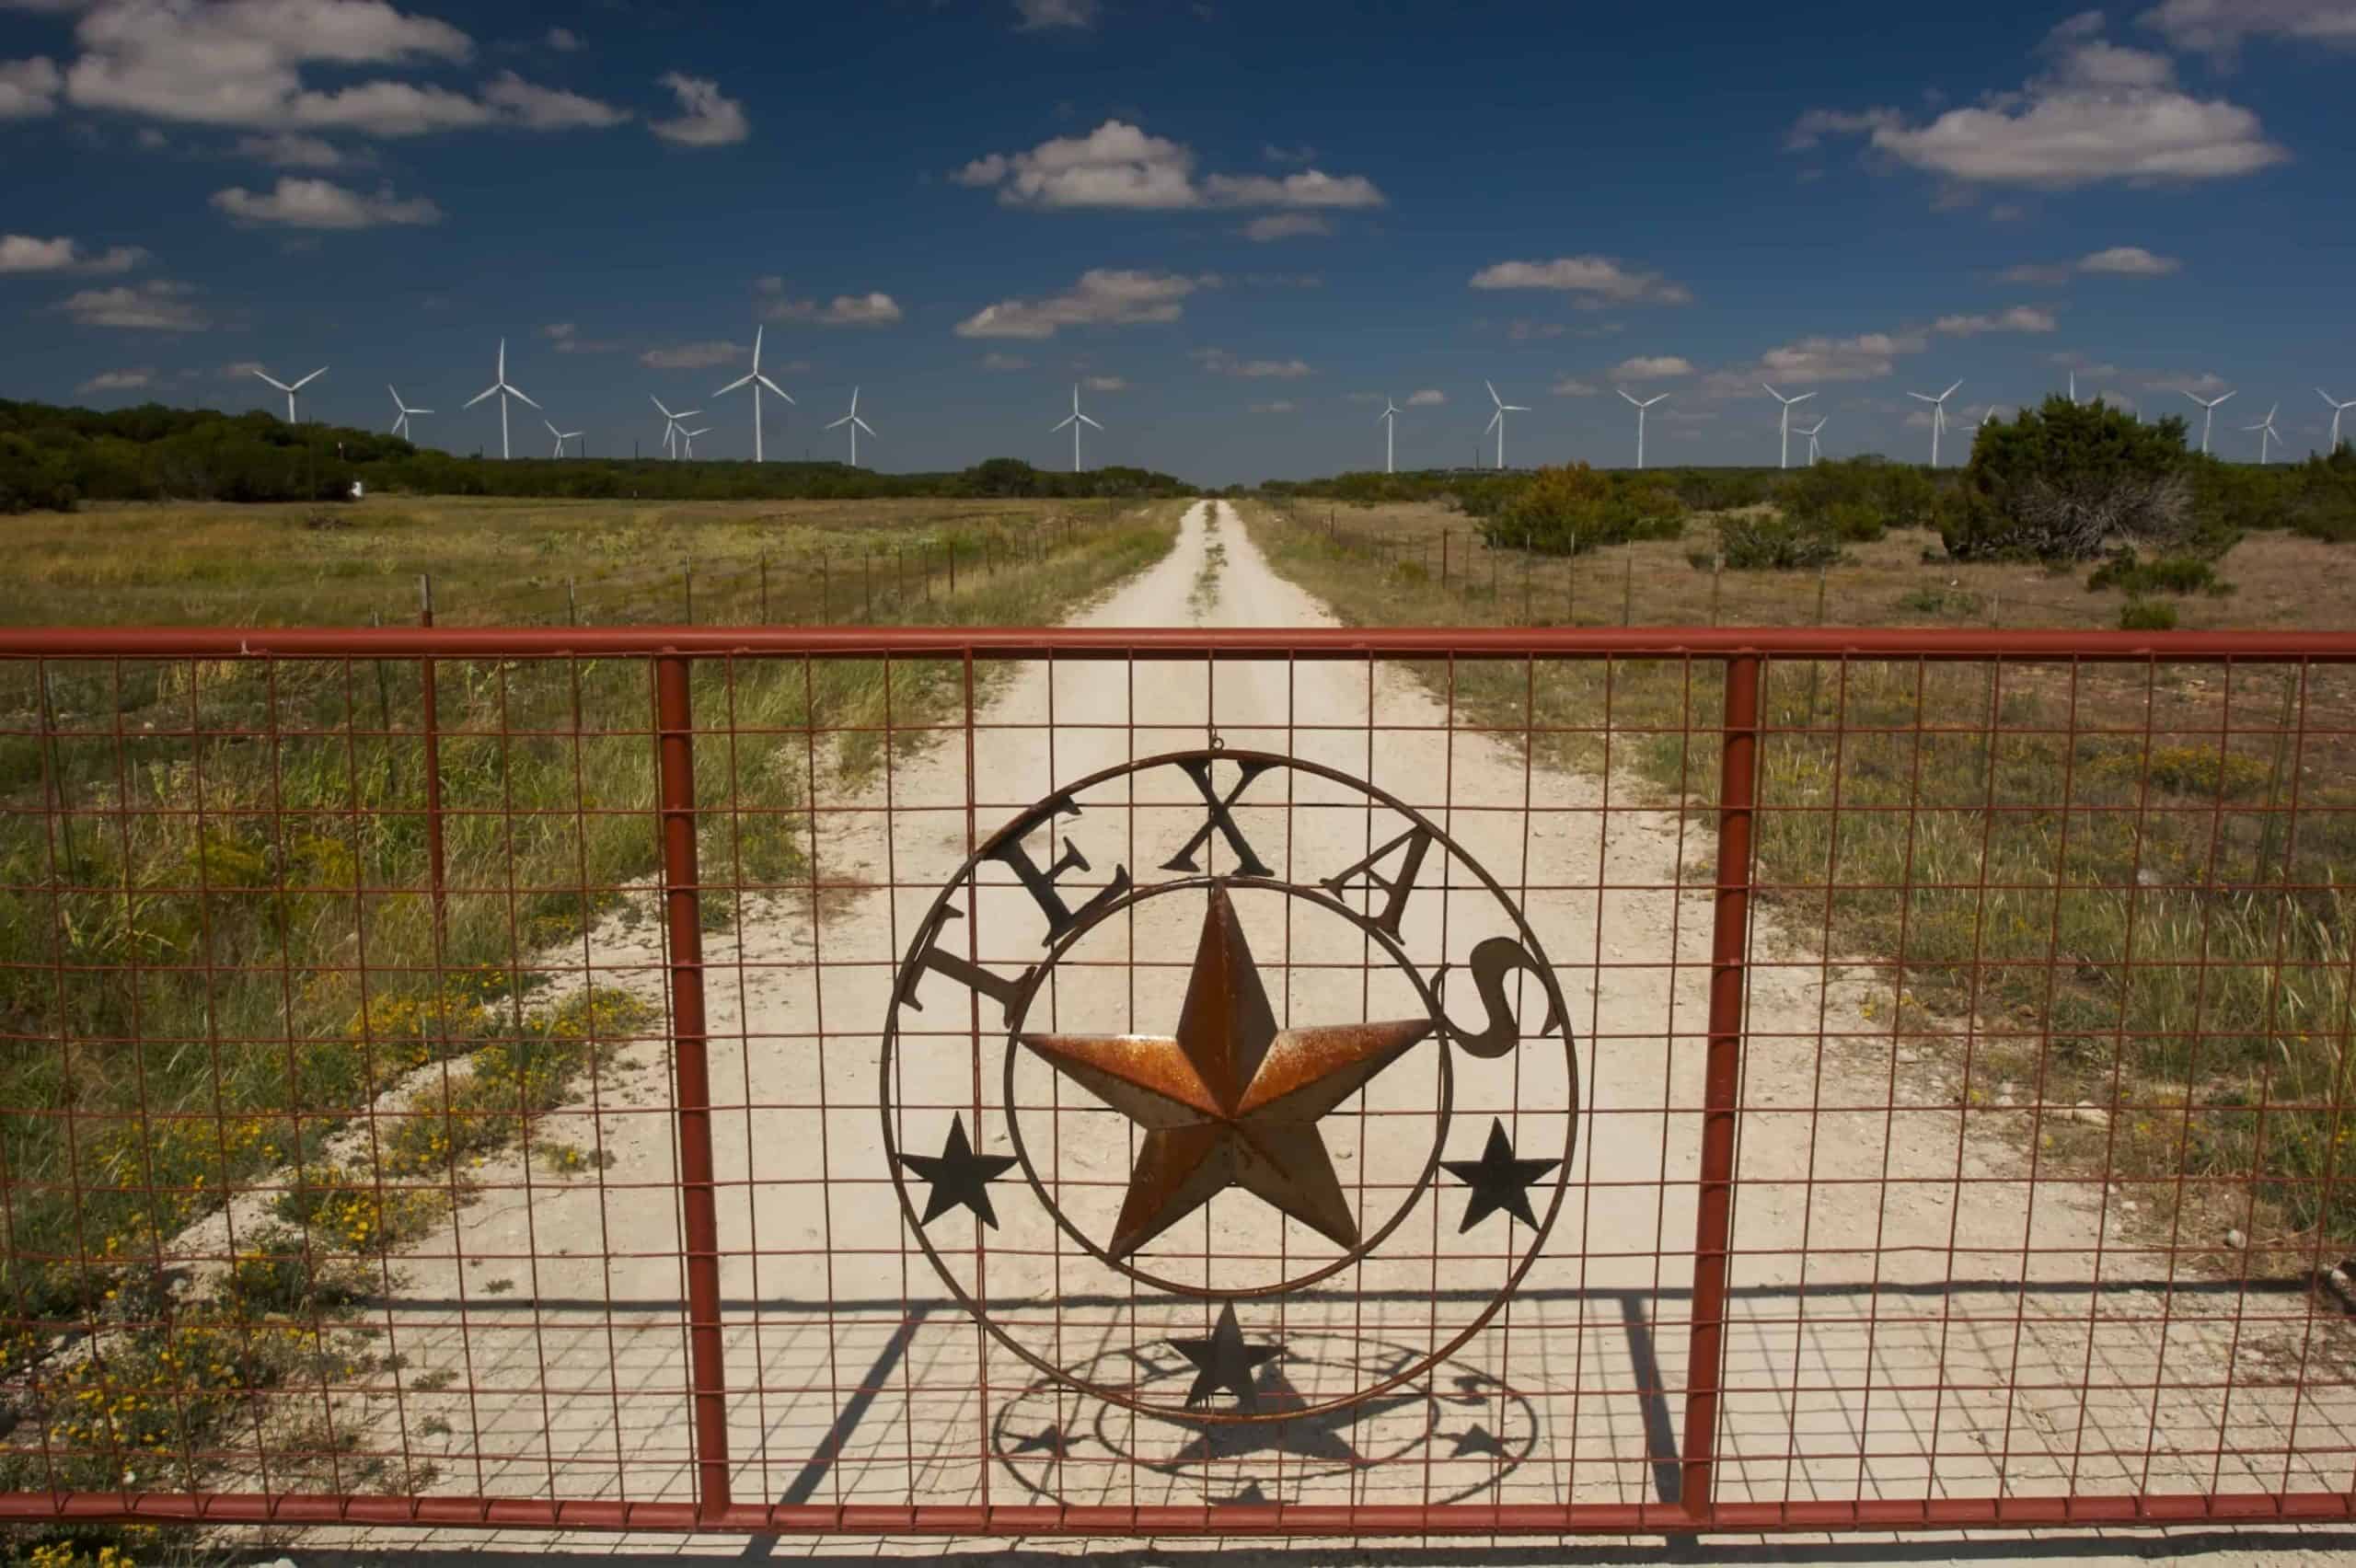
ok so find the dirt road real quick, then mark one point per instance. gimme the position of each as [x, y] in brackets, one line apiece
[1889, 1339]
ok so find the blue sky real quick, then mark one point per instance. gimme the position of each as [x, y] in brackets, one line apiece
[1241, 226]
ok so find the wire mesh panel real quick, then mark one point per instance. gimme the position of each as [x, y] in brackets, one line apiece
[1198, 1081]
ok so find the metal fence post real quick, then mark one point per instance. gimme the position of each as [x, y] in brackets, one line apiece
[707, 1369]
[765, 587]
[431, 719]
[1721, 1083]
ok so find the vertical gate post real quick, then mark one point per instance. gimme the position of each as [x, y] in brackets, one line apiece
[430, 719]
[699, 1213]
[1722, 1082]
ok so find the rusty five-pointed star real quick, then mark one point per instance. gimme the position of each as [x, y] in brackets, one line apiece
[1229, 1100]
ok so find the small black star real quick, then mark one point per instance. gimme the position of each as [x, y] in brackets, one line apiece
[959, 1176]
[1224, 1361]
[1478, 1439]
[1498, 1180]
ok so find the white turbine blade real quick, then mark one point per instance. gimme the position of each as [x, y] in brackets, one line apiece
[275, 382]
[776, 389]
[2223, 398]
[1950, 391]
[1495, 421]
[1493, 393]
[481, 395]
[308, 379]
[417, 410]
[1624, 392]
[1921, 396]
[740, 381]
[1513, 408]
[842, 421]
[1090, 423]
[1801, 399]
[1772, 393]
[658, 404]
[693, 433]
[870, 429]
[513, 393]
[1067, 419]
[757, 349]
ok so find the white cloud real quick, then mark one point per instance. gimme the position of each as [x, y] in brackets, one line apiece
[1122, 166]
[537, 108]
[2018, 319]
[156, 305]
[296, 203]
[117, 381]
[1813, 359]
[2218, 27]
[566, 336]
[290, 150]
[708, 118]
[870, 309]
[2099, 112]
[2207, 384]
[1597, 278]
[1649, 367]
[1281, 406]
[239, 370]
[1005, 361]
[29, 89]
[23, 253]
[2129, 261]
[1427, 397]
[1033, 16]
[1571, 387]
[1107, 384]
[1286, 225]
[1218, 361]
[564, 40]
[1105, 296]
[691, 356]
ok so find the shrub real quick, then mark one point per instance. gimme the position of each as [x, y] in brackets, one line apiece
[1773, 543]
[2323, 505]
[2067, 481]
[2167, 574]
[1573, 509]
[1857, 498]
[1931, 599]
[2147, 615]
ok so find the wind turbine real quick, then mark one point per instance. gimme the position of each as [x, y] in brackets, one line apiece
[689, 438]
[1076, 418]
[1810, 432]
[1389, 420]
[561, 436]
[2337, 408]
[504, 392]
[1640, 407]
[401, 420]
[1498, 419]
[2073, 388]
[855, 423]
[2267, 434]
[1938, 416]
[2208, 418]
[290, 391]
[756, 380]
[671, 424]
[1785, 460]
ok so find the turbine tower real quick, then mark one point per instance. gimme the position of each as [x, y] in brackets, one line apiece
[1640, 407]
[855, 423]
[1785, 460]
[688, 438]
[561, 436]
[1497, 420]
[2267, 434]
[671, 424]
[1810, 432]
[2337, 409]
[504, 392]
[1938, 417]
[1389, 420]
[402, 413]
[290, 391]
[2209, 417]
[756, 380]
[1076, 418]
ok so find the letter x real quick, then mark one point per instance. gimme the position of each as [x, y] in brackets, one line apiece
[1198, 768]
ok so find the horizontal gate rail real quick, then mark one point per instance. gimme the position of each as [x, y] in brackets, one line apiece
[442, 1068]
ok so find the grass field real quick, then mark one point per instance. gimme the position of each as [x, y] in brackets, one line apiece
[2133, 878]
[216, 941]
[509, 561]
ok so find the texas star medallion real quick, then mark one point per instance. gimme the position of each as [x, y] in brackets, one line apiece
[1231, 1099]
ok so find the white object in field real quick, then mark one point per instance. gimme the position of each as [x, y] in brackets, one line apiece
[1939, 415]
[1497, 420]
[1075, 419]
[359, 490]
[1810, 432]
[504, 392]
[689, 437]
[672, 423]
[1785, 460]
[1640, 418]
[2267, 434]
[855, 423]
[401, 411]
[1389, 420]
[2208, 416]
[756, 380]
[2336, 409]
[561, 436]
[290, 391]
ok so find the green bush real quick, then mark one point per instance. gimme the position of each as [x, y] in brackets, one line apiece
[2168, 574]
[1573, 509]
[1772, 543]
[2067, 481]
[1857, 498]
[2323, 505]
[2147, 615]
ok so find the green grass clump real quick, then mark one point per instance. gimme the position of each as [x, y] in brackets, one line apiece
[2147, 615]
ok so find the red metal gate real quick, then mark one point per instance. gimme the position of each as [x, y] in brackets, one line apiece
[444, 1070]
